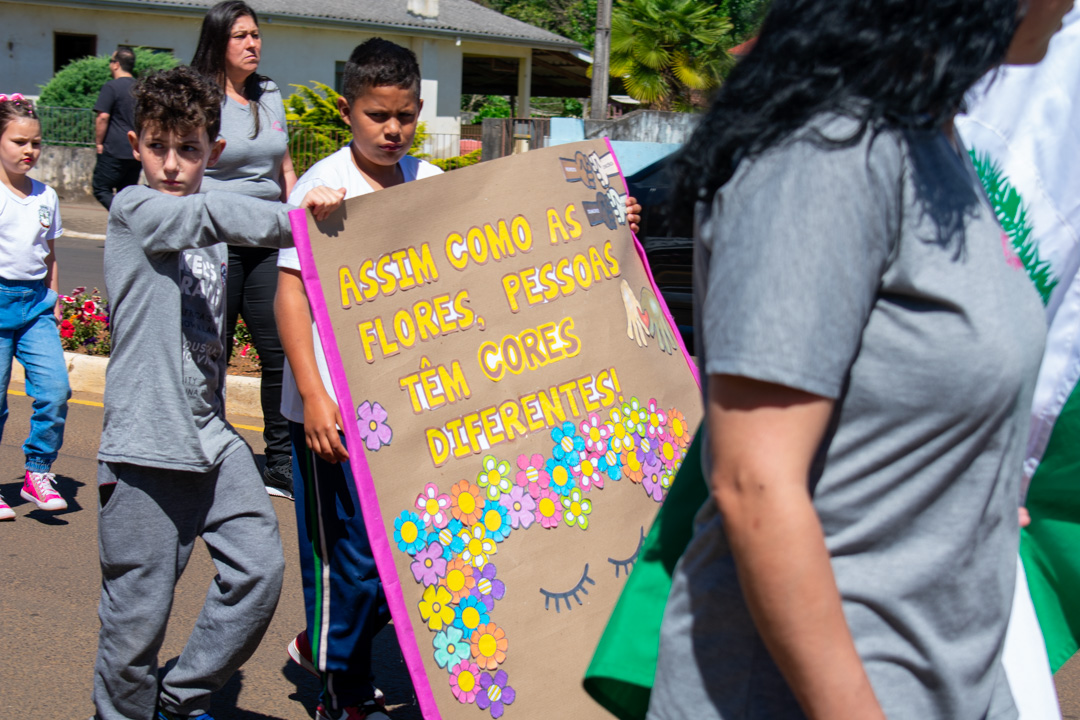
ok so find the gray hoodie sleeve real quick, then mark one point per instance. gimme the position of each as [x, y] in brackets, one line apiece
[167, 223]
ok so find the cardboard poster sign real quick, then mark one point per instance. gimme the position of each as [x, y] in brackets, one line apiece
[516, 403]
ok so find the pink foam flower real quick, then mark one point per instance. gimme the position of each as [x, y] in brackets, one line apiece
[532, 475]
[596, 433]
[434, 507]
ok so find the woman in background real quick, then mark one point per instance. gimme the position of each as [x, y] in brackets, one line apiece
[255, 162]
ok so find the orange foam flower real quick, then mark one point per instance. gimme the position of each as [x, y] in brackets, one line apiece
[489, 644]
[466, 502]
[459, 579]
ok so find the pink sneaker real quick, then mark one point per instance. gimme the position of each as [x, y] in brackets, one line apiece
[38, 489]
[300, 653]
[6, 513]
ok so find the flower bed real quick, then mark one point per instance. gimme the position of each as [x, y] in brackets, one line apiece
[84, 328]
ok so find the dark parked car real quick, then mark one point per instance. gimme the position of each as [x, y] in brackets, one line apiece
[668, 244]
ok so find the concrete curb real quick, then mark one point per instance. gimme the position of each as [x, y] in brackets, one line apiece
[86, 373]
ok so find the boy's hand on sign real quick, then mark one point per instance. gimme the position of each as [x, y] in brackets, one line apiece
[633, 214]
[322, 201]
[321, 422]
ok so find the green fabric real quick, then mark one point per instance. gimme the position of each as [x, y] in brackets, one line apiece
[621, 674]
[1049, 546]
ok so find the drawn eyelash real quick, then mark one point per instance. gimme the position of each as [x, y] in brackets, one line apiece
[628, 563]
[565, 596]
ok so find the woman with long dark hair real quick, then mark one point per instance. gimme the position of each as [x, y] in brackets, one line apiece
[255, 162]
[869, 348]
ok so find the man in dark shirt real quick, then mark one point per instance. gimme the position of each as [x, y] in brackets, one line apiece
[115, 107]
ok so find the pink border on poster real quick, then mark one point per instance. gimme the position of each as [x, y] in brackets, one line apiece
[652, 281]
[365, 488]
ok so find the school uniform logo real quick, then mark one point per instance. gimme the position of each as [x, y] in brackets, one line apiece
[44, 213]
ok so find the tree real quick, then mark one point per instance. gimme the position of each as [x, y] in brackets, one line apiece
[670, 53]
[78, 83]
[574, 19]
[745, 16]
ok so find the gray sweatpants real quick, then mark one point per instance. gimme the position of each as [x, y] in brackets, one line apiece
[146, 531]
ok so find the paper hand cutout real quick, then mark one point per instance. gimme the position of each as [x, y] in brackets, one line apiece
[636, 319]
[658, 327]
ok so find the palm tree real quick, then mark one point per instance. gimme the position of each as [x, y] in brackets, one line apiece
[669, 53]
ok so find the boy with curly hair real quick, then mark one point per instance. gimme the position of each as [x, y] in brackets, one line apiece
[170, 466]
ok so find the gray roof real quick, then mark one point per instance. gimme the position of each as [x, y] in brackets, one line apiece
[457, 18]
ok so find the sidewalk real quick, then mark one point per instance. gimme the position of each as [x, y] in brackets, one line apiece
[84, 219]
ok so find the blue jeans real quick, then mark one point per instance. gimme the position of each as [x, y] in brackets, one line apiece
[28, 332]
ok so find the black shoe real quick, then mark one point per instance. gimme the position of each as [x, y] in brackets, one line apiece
[278, 480]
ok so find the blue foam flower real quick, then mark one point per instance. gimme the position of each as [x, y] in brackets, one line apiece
[409, 533]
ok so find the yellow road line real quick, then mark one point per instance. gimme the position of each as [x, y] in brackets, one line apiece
[91, 403]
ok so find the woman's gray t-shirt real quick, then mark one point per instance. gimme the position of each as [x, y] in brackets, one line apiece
[251, 165]
[876, 275]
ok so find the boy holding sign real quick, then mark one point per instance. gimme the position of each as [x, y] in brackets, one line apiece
[343, 600]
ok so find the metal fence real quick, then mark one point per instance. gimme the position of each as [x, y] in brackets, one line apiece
[66, 126]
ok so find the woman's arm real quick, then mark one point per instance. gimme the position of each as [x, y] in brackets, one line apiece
[288, 176]
[763, 438]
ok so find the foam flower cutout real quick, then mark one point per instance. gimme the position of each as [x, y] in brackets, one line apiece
[435, 608]
[651, 481]
[459, 579]
[622, 438]
[488, 645]
[434, 507]
[496, 520]
[576, 509]
[371, 420]
[471, 614]
[495, 694]
[549, 509]
[429, 564]
[666, 478]
[647, 448]
[633, 466]
[450, 647]
[531, 474]
[408, 533]
[488, 588]
[520, 506]
[610, 464]
[656, 427]
[562, 479]
[668, 453]
[466, 502]
[635, 417]
[478, 546]
[678, 430]
[596, 433]
[589, 475]
[494, 478]
[448, 538]
[465, 681]
[568, 445]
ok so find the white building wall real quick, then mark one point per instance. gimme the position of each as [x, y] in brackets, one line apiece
[291, 53]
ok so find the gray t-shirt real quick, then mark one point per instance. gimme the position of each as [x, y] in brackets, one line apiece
[251, 166]
[878, 276]
[165, 272]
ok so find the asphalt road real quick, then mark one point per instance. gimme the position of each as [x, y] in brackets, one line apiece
[51, 585]
[81, 259]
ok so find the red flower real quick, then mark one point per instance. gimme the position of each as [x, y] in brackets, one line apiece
[67, 329]
[89, 307]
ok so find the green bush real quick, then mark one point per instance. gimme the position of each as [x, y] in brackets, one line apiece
[460, 161]
[78, 83]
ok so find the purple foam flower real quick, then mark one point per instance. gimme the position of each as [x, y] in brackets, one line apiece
[429, 565]
[371, 419]
[495, 693]
[651, 480]
[521, 507]
[488, 589]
